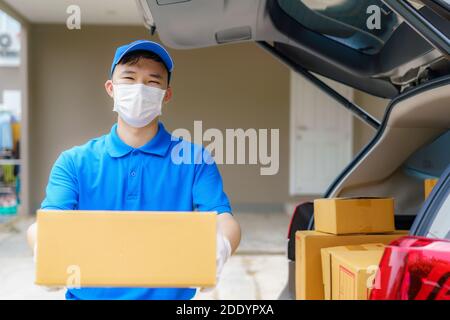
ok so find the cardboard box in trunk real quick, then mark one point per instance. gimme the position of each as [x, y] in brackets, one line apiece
[349, 271]
[354, 215]
[308, 262]
[429, 185]
[126, 249]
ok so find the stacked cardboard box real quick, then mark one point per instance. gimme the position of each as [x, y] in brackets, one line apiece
[342, 222]
[349, 271]
[429, 185]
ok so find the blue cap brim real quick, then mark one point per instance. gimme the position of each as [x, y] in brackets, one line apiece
[145, 45]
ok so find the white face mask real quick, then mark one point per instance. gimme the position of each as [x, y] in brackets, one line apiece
[137, 104]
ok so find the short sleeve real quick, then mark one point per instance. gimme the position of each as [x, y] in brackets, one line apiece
[208, 193]
[62, 187]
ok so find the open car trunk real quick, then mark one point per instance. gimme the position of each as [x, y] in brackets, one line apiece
[382, 168]
[362, 43]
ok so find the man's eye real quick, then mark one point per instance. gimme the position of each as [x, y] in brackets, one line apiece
[129, 78]
[152, 81]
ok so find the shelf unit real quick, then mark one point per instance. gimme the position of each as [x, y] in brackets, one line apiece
[10, 161]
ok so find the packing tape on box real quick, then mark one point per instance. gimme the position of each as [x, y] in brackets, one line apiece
[355, 248]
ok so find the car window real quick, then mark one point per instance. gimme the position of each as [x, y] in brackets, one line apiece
[364, 25]
[431, 160]
[440, 228]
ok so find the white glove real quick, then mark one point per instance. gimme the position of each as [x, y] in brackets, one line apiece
[223, 253]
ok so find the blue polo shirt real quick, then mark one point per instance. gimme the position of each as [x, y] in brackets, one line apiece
[166, 174]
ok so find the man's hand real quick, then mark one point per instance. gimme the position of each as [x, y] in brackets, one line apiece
[228, 238]
[31, 235]
[223, 253]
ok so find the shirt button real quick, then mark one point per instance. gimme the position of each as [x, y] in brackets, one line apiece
[133, 173]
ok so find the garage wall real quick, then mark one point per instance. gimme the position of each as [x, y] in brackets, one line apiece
[234, 86]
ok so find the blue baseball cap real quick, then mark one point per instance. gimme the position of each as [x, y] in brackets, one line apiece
[143, 45]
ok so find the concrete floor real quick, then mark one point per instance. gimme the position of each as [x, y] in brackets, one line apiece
[258, 270]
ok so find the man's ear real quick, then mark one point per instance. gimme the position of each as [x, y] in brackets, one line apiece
[109, 88]
[168, 95]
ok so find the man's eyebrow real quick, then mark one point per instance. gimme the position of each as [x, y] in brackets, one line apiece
[156, 75]
[127, 71]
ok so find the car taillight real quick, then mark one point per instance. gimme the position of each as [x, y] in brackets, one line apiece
[414, 268]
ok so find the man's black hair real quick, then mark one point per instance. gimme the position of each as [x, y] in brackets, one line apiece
[134, 56]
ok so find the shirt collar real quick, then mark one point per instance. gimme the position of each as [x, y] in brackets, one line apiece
[158, 145]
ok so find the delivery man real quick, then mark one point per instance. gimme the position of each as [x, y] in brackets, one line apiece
[132, 167]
